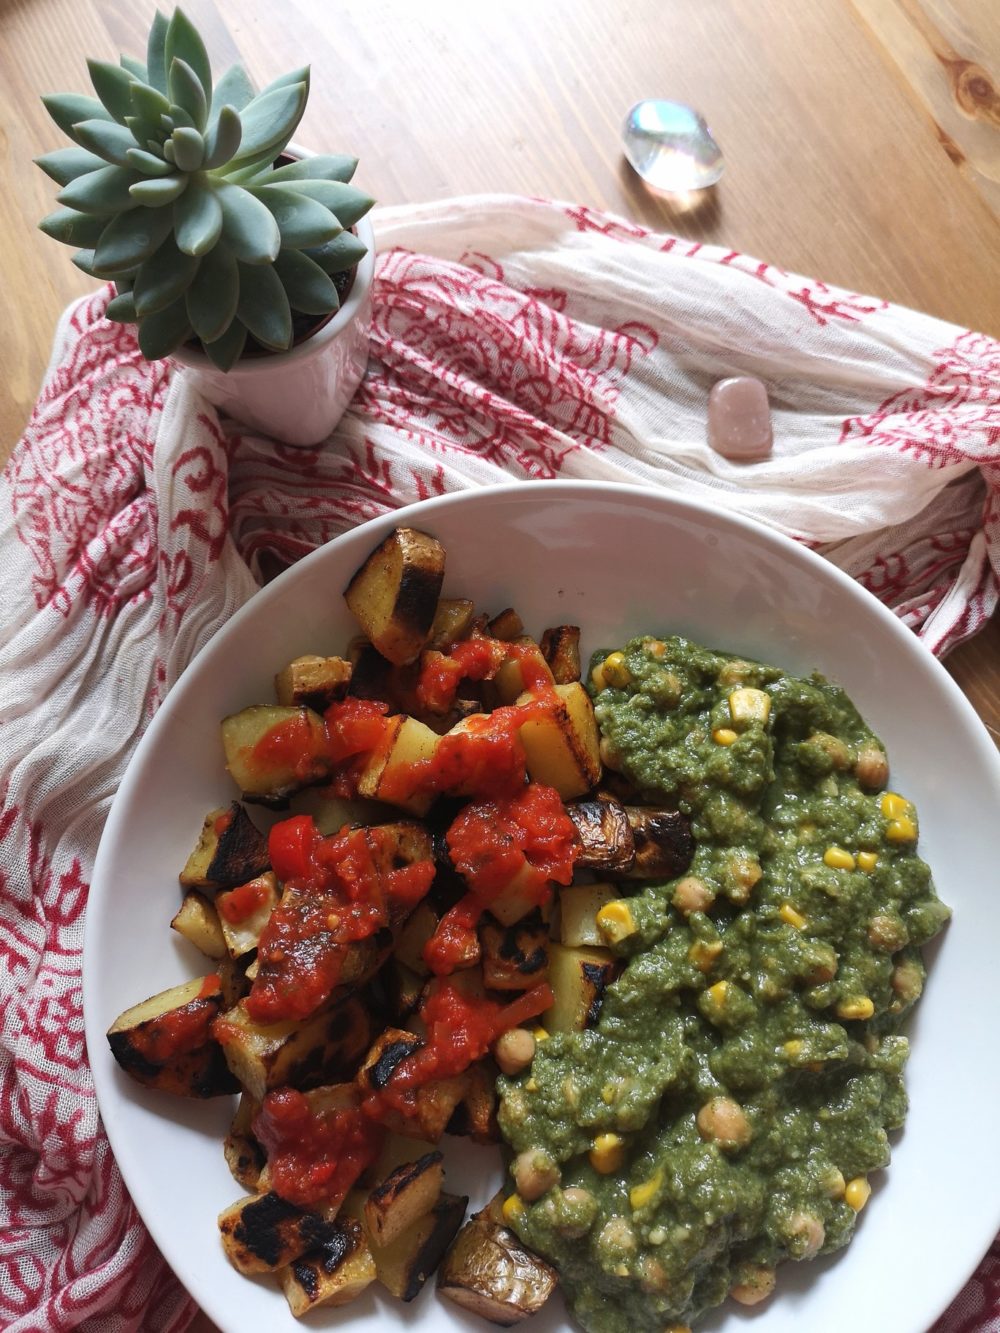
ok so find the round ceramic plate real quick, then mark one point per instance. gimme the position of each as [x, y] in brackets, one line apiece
[617, 561]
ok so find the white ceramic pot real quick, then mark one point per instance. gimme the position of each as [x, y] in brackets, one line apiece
[298, 396]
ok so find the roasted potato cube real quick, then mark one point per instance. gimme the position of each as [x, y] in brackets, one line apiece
[521, 671]
[664, 847]
[409, 946]
[324, 1048]
[394, 595]
[402, 987]
[313, 681]
[490, 1273]
[578, 908]
[198, 921]
[243, 912]
[405, 1265]
[475, 1116]
[605, 835]
[452, 621]
[166, 1041]
[579, 978]
[561, 649]
[263, 1232]
[515, 957]
[506, 626]
[406, 1194]
[435, 1102]
[518, 898]
[230, 850]
[272, 751]
[244, 1154]
[385, 777]
[334, 1274]
[562, 747]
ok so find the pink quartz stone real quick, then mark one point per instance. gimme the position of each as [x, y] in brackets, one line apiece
[739, 420]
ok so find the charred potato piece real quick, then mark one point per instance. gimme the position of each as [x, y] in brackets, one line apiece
[402, 987]
[335, 1273]
[561, 649]
[562, 747]
[243, 913]
[664, 847]
[506, 626]
[263, 1232]
[405, 1265]
[394, 595]
[244, 1154]
[490, 1273]
[515, 957]
[272, 751]
[230, 850]
[314, 681]
[435, 1102]
[322, 1049]
[475, 1116]
[409, 946]
[406, 1194]
[452, 621]
[579, 978]
[518, 672]
[166, 1041]
[604, 833]
[578, 908]
[385, 777]
[198, 922]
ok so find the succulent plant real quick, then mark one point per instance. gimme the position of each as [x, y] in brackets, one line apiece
[172, 192]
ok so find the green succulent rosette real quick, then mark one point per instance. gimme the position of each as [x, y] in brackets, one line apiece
[172, 192]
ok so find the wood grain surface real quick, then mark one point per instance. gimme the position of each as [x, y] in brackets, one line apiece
[862, 138]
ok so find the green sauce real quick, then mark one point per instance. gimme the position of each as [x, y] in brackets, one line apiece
[746, 1061]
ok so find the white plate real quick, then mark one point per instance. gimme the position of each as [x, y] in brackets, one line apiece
[617, 561]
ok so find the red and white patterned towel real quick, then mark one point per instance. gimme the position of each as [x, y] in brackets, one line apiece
[513, 339]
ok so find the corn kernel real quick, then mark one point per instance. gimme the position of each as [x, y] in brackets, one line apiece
[597, 678]
[615, 921]
[867, 861]
[901, 830]
[788, 914]
[834, 1183]
[677, 1328]
[608, 1094]
[857, 1193]
[531, 1085]
[893, 805]
[838, 859]
[616, 671]
[703, 954]
[747, 705]
[861, 1007]
[539, 1034]
[607, 1154]
[724, 736]
[718, 992]
[512, 1208]
[640, 1195]
[794, 1048]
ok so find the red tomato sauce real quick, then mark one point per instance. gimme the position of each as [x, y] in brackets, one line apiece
[180, 1030]
[442, 673]
[314, 1158]
[239, 904]
[338, 890]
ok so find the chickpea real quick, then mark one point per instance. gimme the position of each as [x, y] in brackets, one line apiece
[887, 933]
[610, 754]
[576, 1217]
[578, 1197]
[744, 873]
[805, 1234]
[755, 1284]
[534, 1174]
[735, 672]
[908, 980]
[833, 747]
[725, 1122]
[514, 1051]
[692, 895]
[616, 1237]
[823, 964]
[872, 768]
